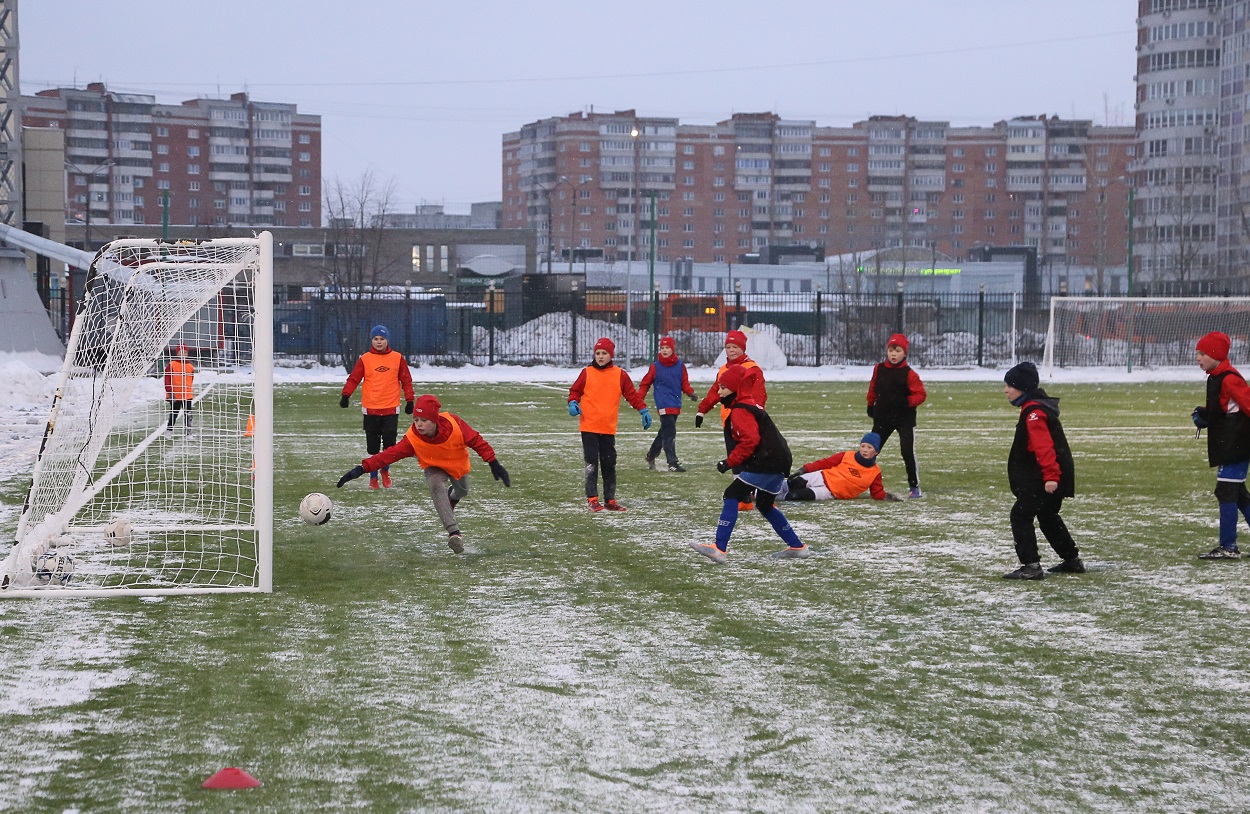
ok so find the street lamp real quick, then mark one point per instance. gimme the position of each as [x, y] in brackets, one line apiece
[635, 192]
[90, 174]
[574, 190]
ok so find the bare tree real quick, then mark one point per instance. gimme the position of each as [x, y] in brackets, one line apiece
[355, 265]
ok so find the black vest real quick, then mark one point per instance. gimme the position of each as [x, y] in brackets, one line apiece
[1228, 434]
[892, 391]
[772, 455]
[1024, 473]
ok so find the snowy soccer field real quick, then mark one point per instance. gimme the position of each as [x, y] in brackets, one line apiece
[584, 662]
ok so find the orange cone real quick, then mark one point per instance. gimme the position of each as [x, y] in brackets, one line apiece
[231, 778]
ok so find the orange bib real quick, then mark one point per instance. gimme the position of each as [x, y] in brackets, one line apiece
[451, 456]
[601, 400]
[381, 389]
[181, 377]
[849, 479]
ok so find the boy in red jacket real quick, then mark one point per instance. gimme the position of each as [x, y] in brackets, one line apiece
[384, 377]
[893, 396]
[843, 475]
[752, 386]
[596, 399]
[760, 460]
[668, 374]
[1226, 414]
[440, 442]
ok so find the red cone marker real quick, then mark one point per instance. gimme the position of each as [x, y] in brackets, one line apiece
[231, 778]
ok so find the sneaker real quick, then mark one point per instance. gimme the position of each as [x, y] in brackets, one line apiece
[169, 431]
[456, 543]
[1072, 566]
[613, 506]
[1031, 571]
[593, 504]
[676, 466]
[373, 483]
[746, 507]
[1221, 553]
[710, 551]
[651, 462]
[800, 553]
[915, 492]
[386, 480]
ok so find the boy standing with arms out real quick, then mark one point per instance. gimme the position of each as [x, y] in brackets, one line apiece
[179, 387]
[668, 374]
[441, 443]
[386, 377]
[893, 396]
[1041, 474]
[843, 475]
[1228, 439]
[752, 386]
[596, 398]
[760, 460]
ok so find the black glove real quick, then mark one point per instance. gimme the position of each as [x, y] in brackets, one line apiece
[408, 407]
[698, 420]
[351, 474]
[500, 473]
[723, 466]
[343, 402]
[693, 397]
[796, 473]
[870, 415]
[890, 496]
[1199, 415]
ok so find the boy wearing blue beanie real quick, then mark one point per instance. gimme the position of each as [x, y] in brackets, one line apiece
[841, 476]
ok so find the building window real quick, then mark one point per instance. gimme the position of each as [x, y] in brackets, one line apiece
[193, 169]
[304, 156]
[194, 186]
[193, 151]
[162, 149]
[305, 190]
[305, 206]
[193, 203]
[304, 138]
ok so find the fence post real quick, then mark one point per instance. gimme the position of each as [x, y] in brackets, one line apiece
[820, 324]
[573, 340]
[981, 327]
[898, 315]
[737, 320]
[490, 322]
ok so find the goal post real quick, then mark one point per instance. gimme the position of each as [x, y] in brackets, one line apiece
[128, 495]
[1139, 331]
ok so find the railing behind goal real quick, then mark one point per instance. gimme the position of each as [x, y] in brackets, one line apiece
[119, 503]
[1139, 331]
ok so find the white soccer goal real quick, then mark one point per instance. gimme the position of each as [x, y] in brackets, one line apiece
[198, 501]
[1140, 331]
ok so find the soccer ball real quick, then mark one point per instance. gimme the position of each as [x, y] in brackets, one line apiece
[118, 531]
[54, 567]
[315, 508]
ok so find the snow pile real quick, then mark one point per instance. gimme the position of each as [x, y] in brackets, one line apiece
[24, 384]
[762, 347]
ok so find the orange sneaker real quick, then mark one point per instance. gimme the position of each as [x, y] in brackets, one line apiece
[746, 507]
[613, 506]
[386, 479]
[593, 504]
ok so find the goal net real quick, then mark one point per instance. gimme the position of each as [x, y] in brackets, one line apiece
[1139, 331]
[126, 496]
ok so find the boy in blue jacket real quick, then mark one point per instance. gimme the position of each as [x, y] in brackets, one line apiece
[668, 374]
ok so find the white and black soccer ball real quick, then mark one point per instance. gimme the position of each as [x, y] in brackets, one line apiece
[315, 509]
[118, 531]
[54, 567]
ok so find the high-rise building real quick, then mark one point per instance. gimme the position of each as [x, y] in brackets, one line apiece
[757, 182]
[210, 162]
[1189, 124]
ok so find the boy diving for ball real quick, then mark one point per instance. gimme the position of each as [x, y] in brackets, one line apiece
[440, 442]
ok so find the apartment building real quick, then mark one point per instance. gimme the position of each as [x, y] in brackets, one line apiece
[206, 162]
[586, 182]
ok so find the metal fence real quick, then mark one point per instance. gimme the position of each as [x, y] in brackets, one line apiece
[496, 327]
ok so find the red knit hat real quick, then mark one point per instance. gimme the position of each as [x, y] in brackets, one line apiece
[668, 342]
[732, 378]
[426, 407]
[1215, 345]
[897, 339]
[606, 344]
[736, 338]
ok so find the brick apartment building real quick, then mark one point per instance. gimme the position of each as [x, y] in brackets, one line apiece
[756, 181]
[216, 162]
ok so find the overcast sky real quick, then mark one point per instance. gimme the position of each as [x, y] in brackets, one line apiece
[421, 92]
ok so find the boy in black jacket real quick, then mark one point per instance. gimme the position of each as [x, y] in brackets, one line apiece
[1228, 439]
[894, 393]
[1041, 473]
[760, 460]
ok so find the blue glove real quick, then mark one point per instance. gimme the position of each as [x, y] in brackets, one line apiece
[646, 418]
[574, 408]
[1199, 415]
